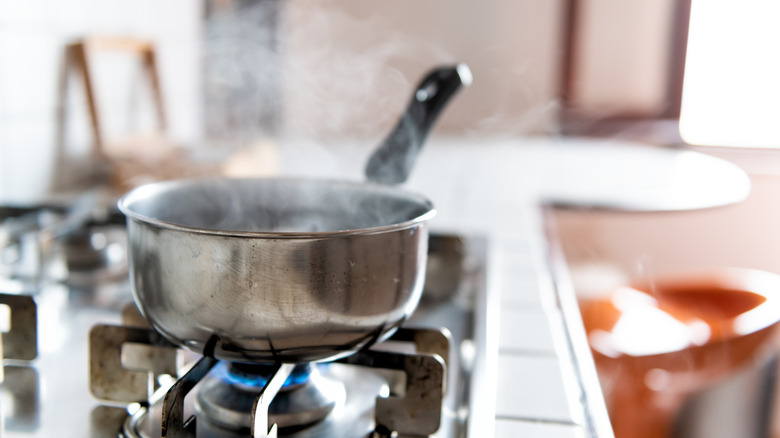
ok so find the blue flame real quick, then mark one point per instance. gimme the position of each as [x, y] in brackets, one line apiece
[259, 377]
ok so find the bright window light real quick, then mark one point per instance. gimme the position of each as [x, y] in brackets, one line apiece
[731, 88]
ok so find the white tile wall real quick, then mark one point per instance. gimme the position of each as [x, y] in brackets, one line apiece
[534, 388]
[539, 394]
[519, 275]
[33, 35]
[525, 287]
[525, 331]
[532, 429]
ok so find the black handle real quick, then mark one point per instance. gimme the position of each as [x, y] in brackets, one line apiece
[393, 161]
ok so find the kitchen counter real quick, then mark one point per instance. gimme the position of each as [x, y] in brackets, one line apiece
[540, 378]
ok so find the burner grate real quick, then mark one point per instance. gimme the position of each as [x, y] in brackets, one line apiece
[413, 411]
[19, 381]
[21, 341]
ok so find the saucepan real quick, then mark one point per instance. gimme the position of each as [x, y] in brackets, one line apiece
[288, 269]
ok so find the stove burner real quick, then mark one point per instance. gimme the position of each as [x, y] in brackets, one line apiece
[227, 396]
[354, 418]
[351, 398]
[257, 375]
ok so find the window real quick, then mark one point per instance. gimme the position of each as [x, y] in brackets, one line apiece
[731, 89]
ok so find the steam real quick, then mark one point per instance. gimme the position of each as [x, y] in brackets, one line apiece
[241, 74]
[275, 205]
[340, 86]
[295, 69]
[326, 70]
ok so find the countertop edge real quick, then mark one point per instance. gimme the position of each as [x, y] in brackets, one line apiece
[596, 419]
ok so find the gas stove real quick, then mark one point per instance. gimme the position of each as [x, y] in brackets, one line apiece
[80, 360]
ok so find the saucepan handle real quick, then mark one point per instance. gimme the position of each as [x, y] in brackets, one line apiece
[393, 161]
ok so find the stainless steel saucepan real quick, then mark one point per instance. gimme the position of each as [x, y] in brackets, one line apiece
[287, 270]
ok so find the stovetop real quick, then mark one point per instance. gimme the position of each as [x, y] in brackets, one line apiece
[49, 395]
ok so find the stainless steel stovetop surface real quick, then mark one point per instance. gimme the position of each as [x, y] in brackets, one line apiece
[49, 396]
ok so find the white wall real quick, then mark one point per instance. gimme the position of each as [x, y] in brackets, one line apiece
[352, 65]
[33, 36]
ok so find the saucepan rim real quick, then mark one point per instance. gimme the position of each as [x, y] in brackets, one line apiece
[155, 189]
